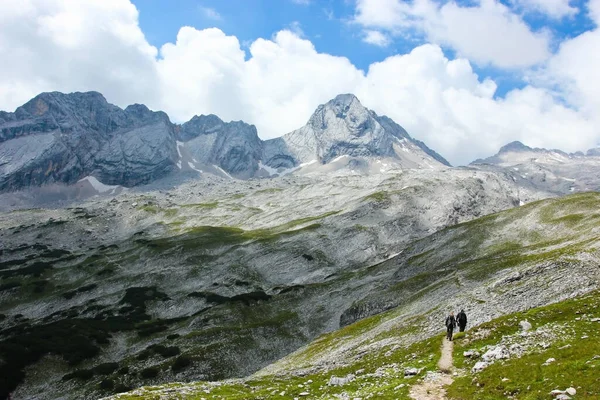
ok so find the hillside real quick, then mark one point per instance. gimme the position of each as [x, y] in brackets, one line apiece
[502, 269]
[559, 354]
[233, 274]
[160, 310]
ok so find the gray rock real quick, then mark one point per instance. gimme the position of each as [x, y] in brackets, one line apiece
[480, 366]
[571, 391]
[341, 381]
[344, 127]
[525, 326]
[233, 146]
[411, 371]
[496, 353]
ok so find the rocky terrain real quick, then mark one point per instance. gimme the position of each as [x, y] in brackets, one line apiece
[551, 170]
[533, 318]
[228, 275]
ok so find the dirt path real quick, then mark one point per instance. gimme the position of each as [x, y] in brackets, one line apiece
[432, 386]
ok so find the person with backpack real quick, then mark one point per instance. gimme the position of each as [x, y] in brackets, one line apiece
[450, 325]
[461, 318]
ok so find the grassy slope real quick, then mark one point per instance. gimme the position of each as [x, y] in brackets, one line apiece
[547, 231]
[568, 329]
[575, 348]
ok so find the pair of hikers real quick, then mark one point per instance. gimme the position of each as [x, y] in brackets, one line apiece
[452, 321]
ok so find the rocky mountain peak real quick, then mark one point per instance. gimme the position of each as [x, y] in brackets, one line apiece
[344, 127]
[344, 113]
[514, 146]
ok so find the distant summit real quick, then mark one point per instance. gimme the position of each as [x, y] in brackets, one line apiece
[344, 127]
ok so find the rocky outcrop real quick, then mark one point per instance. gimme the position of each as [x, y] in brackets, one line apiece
[550, 170]
[233, 146]
[60, 137]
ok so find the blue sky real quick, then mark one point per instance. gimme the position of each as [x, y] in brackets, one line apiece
[464, 76]
[329, 25]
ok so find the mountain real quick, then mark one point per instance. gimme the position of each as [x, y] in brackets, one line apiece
[344, 127]
[63, 138]
[550, 170]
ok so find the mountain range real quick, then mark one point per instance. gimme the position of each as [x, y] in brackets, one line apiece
[62, 138]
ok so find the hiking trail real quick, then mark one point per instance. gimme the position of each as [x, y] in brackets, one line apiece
[432, 386]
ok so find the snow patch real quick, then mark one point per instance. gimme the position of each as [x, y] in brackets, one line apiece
[97, 185]
[270, 170]
[338, 158]
[193, 167]
[179, 145]
[223, 171]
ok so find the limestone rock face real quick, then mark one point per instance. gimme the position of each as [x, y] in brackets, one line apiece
[59, 137]
[233, 146]
[344, 127]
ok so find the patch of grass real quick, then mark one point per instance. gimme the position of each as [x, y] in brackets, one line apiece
[380, 196]
[268, 191]
[209, 205]
[150, 209]
[527, 377]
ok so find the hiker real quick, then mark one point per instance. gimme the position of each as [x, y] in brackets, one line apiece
[450, 325]
[461, 318]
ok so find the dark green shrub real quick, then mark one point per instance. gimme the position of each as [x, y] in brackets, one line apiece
[144, 355]
[105, 368]
[169, 351]
[107, 384]
[148, 373]
[181, 363]
[121, 388]
[123, 371]
[82, 374]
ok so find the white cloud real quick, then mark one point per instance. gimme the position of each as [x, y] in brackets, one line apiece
[489, 32]
[67, 46]
[210, 13]
[386, 14]
[376, 38]
[71, 45]
[594, 10]
[296, 27]
[486, 33]
[552, 8]
[301, 2]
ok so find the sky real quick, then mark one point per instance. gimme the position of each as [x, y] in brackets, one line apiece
[464, 76]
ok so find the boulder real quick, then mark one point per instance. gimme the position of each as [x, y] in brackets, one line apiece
[525, 326]
[340, 381]
[479, 366]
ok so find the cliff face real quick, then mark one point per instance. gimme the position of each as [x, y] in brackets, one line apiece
[62, 138]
